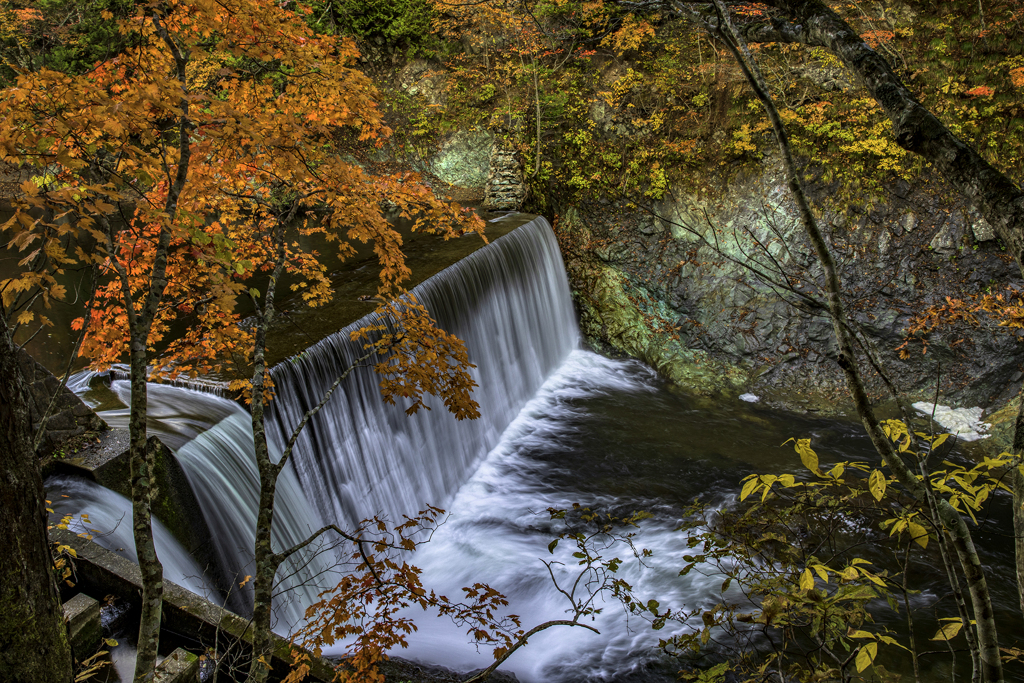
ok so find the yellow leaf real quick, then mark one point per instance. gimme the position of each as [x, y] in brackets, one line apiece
[807, 455]
[949, 631]
[860, 634]
[866, 656]
[749, 488]
[25, 317]
[876, 483]
[806, 580]
[918, 533]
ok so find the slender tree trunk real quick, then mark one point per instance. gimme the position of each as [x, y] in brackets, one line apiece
[536, 100]
[266, 561]
[956, 527]
[34, 644]
[140, 323]
[946, 552]
[1018, 499]
[141, 457]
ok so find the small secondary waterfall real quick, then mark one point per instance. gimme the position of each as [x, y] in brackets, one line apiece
[107, 517]
[358, 457]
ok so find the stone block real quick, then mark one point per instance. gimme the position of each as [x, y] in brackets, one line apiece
[947, 239]
[67, 415]
[983, 231]
[180, 666]
[84, 628]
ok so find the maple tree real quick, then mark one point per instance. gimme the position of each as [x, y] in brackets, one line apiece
[203, 154]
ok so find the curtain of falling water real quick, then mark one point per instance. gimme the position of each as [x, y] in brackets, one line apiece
[358, 457]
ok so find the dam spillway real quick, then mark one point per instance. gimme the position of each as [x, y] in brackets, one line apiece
[358, 457]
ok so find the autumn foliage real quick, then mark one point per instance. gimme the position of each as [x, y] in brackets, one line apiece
[214, 143]
[367, 611]
[188, 171]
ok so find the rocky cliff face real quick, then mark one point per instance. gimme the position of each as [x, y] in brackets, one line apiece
[714, 284]
[715, 288]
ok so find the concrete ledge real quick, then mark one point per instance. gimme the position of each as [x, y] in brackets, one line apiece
[100, 572]
[181, 666]
[84, 628]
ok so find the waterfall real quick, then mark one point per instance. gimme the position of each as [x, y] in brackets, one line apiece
[358, 457]
[539, 397]
[106, 516]
[510, 303]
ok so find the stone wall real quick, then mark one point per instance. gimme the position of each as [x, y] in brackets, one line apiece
[67, 415]
[505, 189]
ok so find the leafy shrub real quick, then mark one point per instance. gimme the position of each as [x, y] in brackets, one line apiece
[395, 21]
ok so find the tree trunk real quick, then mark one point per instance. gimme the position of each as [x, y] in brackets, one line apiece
[266, 561]
[141, 456]
[267, 564]
[34, 644]
[1018, 498]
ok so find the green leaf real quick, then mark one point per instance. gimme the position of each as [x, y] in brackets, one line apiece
[552, 545]
[876, 483]
[866, 656]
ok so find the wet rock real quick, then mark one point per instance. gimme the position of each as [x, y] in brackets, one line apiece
[65, 414]
[464, 159]
[180, 666]
[631, 282]
[884, 242]
[983, 231]
[505, 189]
[909, 222]
[947, 240]
[84, 629]
[419, 79]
